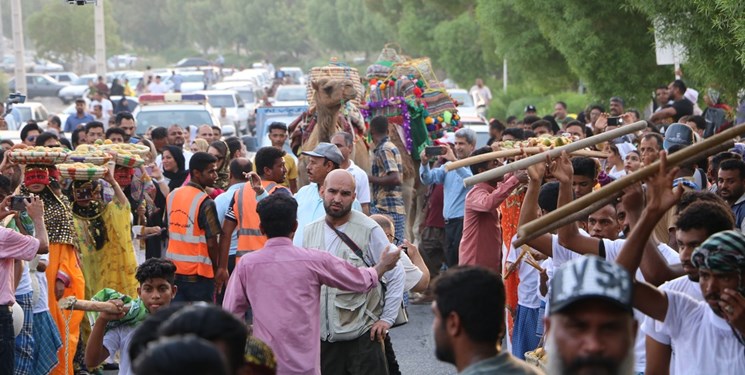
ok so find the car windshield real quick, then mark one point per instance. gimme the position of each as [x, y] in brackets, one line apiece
[219, 101]
[290, 94]
[82, 81]
[247, 96]
[169, 117]
[462, 97]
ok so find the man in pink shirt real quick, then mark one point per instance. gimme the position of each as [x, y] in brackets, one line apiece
[283, 284]
[481, 244]
[15, 246]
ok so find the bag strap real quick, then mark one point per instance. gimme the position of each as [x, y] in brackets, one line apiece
[348, 241]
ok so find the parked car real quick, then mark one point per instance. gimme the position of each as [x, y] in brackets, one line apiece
[76, 89]
[44, 66]
[23, 112]
[167, 109]
[9, 63]
[296, 73]
[193, 81]
[121, 61]
[289, 96]
[38, 85]
[234, 106]
[64, 77]
[466, 107]
[479, 125]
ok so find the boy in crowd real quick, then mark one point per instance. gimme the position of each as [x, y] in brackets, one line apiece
[112, 332]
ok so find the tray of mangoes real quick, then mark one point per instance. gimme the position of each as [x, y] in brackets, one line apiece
[81, 171]
[37, 155]
[88, 154]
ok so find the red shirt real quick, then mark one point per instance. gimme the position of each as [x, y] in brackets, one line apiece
[434, 211]
[481, 244]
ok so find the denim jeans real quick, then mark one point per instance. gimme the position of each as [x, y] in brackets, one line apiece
[194, 289]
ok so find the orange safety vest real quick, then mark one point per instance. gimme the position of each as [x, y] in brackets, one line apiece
[187, 243]
[250, 237]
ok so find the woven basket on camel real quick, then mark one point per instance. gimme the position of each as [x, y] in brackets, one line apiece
[335, 71]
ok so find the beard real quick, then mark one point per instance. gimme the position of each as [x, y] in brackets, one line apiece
[336, 214]
[591, 365]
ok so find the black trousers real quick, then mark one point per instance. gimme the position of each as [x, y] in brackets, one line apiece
[360, 356]
[453, 233]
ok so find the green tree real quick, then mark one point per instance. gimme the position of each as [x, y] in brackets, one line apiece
[63, 31]
[153, 30]
[607, 45]
[713, 33]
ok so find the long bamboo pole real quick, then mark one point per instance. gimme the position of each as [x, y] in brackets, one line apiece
[555, 152]
[515, 152]
[693, 152]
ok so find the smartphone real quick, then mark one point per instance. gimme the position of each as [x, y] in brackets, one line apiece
[615, 121]
[431, 151]
[18, 202]
[134, 140]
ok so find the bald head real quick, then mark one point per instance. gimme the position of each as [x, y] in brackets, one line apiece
[239, 169]
[205, 132]
[338, 195]
[339, 176]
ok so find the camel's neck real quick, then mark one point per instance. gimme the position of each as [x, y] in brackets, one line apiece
[326, 122]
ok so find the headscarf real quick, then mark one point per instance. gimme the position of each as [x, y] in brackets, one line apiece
[177, 178]
[223, 174]
[136, 314]
[723, 252]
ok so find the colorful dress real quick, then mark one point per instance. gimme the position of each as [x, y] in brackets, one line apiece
[113, 265]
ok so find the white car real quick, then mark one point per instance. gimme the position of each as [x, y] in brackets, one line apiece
[234, 106]
[466, 107]
[184, 110]
[46, 66]
[296, 73]
[289, 96]
[479, 125]
[23, 112]
[64, 77]
[76, 89]
[192, 81]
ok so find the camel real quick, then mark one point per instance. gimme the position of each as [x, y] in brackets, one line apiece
[321, 122]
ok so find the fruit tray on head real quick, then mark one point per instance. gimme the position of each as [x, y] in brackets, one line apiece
[81, 171]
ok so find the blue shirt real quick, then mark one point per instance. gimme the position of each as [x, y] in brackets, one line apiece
[222, 203]
[454, 204]
[73, 121]
[310, 208]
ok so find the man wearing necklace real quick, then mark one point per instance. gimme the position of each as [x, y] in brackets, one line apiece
[103, 231]
[64, 276]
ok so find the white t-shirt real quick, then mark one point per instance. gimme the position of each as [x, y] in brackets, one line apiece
[658, 330]
[117, 339]
[107, 108]
[612, 250]
[412, 273]
[706, 342]
[157, 88]
[527, 295]
[41, 287]
[362, 185]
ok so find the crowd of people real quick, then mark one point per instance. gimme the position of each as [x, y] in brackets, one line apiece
[206, 261]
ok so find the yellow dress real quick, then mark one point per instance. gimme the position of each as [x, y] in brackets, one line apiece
[114, 265]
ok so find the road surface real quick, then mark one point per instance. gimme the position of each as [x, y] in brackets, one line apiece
[415, 346]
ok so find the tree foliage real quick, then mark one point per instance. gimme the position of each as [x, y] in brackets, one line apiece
[67, 32]
[713, 33]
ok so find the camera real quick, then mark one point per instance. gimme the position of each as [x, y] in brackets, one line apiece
[18, 202]
[14, 98]
[431, 151]
[615, 121]
[81, 2]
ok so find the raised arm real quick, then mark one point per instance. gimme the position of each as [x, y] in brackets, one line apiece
[569, 235]
[648, 299]
[529, 209]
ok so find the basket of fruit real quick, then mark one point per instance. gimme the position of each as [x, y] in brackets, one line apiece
[127, 160]
[88, 154]
[38, 155]
[81, 171]
[127, 148]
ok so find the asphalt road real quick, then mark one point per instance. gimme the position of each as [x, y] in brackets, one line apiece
[415, 346]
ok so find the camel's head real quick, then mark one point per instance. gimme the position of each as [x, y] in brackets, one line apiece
[332, 92]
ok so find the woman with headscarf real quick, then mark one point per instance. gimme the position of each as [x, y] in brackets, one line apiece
[103, 232]
[174, 176]
[122, 105]
[116, 88]
[63, 274]
[225, 151]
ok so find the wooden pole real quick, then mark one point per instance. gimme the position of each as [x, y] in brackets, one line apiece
[515, 152]
[693, 152]
[555, 152]
[72, 303]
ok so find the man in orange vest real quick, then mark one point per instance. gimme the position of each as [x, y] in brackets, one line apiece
[242, 215]
[193, 228]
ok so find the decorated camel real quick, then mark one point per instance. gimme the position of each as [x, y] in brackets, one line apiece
[331, 113]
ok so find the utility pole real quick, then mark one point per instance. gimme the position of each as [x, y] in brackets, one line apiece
[504, 75]
[2, 36]
[20, 68]
[100, 39]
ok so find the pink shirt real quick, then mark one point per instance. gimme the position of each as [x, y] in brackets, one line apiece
[13, 245]
[481, 244]
[283, 283]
